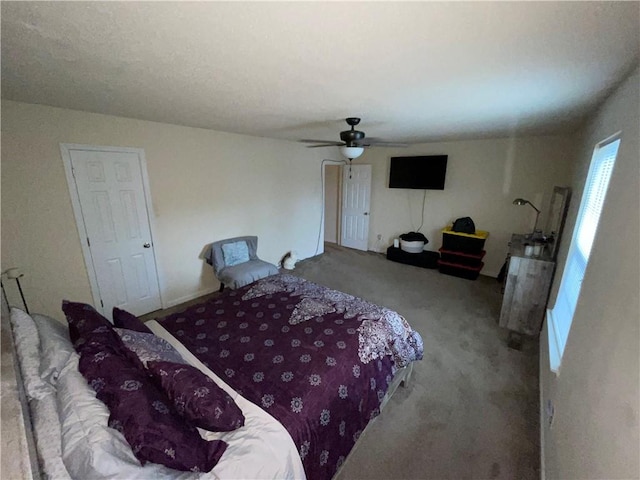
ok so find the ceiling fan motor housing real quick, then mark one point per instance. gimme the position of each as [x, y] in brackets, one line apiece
[351, 137]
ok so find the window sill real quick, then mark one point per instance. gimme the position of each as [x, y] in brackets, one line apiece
[555, 353]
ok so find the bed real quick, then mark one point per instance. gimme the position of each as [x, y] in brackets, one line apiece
[308, 367]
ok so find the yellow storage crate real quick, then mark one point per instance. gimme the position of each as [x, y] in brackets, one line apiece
[463, 242]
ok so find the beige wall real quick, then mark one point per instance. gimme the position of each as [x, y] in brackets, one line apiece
[595, 431]
[208, 185]
[483, 178]
[205, 186]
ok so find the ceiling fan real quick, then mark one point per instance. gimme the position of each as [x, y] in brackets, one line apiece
[353, 141]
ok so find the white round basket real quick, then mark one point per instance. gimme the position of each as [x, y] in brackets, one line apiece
[411, 247]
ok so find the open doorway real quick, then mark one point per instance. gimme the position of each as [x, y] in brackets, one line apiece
[332, 202]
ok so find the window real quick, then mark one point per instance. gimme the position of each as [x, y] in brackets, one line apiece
[560, 317]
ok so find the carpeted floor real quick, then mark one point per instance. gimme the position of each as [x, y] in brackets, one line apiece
[471, 408]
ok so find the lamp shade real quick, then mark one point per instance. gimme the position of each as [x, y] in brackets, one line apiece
[522, 201]
[351, 152]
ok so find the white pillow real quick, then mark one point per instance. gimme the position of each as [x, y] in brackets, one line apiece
[46, 427]
[235, 253]
[27, 345]
[55, 347]
[90, 448]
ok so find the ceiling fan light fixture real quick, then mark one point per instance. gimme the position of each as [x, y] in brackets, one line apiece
[351, 152]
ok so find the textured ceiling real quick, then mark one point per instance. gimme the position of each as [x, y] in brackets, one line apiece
[413, 71]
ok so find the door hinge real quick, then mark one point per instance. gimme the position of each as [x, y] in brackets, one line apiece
[88, 242]
[102, 303]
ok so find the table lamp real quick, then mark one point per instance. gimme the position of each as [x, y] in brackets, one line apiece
[522, 201]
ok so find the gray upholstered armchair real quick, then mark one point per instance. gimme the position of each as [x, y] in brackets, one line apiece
[235, 262]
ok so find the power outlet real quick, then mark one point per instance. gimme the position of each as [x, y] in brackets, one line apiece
[379, 237]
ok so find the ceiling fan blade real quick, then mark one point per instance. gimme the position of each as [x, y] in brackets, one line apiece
[353, 138]
[389, 144]
[324, 143]
[378, 142]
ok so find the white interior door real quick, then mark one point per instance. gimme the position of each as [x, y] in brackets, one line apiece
[356, 199]
[111, 195]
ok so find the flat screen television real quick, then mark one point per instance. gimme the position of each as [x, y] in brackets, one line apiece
[426, 172]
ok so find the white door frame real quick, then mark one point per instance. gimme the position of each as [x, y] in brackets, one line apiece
[342, 200]
[65, 151]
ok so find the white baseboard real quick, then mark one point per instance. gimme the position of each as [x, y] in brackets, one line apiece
[187, 298]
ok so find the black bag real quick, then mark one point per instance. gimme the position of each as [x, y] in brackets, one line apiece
[464, 225]
[414, 237]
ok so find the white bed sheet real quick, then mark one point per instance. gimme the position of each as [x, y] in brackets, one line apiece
[262, 449]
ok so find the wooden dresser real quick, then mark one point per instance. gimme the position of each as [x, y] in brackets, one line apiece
[526, 288]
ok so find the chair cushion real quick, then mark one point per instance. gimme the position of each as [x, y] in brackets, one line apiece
[246, 273]
[235, 253]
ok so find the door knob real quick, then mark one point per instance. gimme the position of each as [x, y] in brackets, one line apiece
[147, 245]
[366, 213]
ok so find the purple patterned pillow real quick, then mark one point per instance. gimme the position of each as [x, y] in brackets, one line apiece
[85, 322]
[197, 397]
[124, 319]
[144, 415]
[88, 328]
[148, 346]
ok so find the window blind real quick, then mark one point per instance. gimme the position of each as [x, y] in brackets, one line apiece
[594, 193]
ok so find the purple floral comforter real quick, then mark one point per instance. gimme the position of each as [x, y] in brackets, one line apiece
[318, 360]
